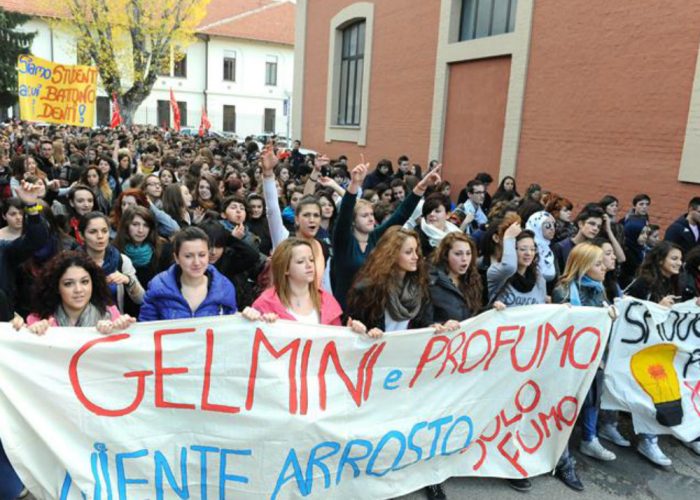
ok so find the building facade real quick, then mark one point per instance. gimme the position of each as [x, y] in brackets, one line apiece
[240, 72]
[585, 97]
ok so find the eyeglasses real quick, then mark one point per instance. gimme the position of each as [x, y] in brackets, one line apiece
[548, 225]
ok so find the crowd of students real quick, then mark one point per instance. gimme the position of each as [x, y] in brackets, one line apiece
[102, 228]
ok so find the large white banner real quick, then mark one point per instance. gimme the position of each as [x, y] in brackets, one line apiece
[225, 408]
[653, 369]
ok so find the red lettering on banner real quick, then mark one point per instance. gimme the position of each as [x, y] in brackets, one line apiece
[292, 348]
[370, 370]
[695, 395]
[572, 348]
[540, 438]
[451, 350]
[206, 405]
[513, 459]
[304, 392]
[140, 376]
[476, 334]
[500, 341]
[563, 413]
[514, 358]
[427, 357]
[357, 390]
[162, 371]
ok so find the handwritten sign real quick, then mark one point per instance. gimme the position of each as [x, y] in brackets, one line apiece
[56, 93]
[222, 407]
[653, 370]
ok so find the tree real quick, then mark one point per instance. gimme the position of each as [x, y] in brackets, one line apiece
[131, 41]
[13, 44]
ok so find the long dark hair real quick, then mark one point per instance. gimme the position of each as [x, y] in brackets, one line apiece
[123, 238]
[650, 271]
[470, 282]
[173, 201]
[501, 191]
[46, 297]
[376, 275]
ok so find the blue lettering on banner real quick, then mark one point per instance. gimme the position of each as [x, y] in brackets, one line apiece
[292, 470]
[390, 382]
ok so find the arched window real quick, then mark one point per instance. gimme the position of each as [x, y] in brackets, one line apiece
[351, 72]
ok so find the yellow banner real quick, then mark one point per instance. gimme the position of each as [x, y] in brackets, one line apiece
[56, 93]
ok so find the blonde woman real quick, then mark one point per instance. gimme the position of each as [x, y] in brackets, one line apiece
[581, 284]
[295, 295]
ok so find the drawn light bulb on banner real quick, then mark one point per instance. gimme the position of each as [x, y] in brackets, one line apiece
[653, 370]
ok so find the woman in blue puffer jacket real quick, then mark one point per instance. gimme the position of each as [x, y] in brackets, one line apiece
[190, 288]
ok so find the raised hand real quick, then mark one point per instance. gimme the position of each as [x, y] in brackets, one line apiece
[432, 179]
[513, 230]
[27, 192]
[268, 161]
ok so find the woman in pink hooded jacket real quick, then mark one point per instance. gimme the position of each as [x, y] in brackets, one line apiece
[295, 295]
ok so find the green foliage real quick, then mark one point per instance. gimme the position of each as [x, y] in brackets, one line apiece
[12, 45]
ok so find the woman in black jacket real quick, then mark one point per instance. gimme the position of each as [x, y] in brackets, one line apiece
[454, 281]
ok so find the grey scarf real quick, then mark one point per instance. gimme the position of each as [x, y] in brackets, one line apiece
[404, 300]
[89, 317]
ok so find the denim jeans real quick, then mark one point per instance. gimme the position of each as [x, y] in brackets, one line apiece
[589, 415]
[10, 484]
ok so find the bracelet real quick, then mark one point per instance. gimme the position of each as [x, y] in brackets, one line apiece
[33, 209]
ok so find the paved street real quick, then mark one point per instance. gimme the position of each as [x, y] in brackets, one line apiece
[630, 476]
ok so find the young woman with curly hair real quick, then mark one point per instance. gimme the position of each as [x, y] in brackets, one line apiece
[454, 281]
[390, 292]
[73, 291]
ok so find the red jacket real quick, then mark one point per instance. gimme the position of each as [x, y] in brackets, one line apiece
[269, 302]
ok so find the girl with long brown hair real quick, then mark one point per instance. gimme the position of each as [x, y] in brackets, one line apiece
[390, 292]
[454, 281]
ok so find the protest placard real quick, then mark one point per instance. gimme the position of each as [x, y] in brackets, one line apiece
[222, 407]
[56, 93]
[653, 369]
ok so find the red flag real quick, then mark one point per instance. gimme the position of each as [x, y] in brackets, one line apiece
[205, 124]
[116, 113]
[176, 111]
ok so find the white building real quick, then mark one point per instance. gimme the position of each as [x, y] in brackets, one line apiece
[240, 68]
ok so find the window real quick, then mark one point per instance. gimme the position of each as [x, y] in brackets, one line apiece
[183, 113]
[269, 120]
[229, 118]
[229, 66]
[164, 114]
[349, 74]
[103, 111]
[180, 66]
[482, 18]
[351, 68]
[271, 71]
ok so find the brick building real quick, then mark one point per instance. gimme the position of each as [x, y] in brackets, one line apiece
[585, 97]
